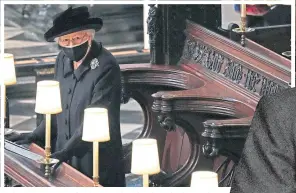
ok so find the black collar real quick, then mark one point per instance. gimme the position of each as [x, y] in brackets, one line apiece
[94, 52]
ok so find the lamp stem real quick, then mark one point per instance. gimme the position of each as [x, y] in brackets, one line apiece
[47, 135]
[47, 143]
[96, 163]
[243, 10]
[4, 99]
[243, 24]
[145, 180]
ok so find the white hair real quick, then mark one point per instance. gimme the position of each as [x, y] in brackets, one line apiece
[91, 33]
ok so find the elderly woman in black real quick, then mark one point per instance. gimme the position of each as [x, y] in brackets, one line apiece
[89, 76]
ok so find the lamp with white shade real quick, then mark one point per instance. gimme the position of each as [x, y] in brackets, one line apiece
[7, 75]
[48, 101]
[204, 179]
[95, 130]
[145, 159]
[8, 70]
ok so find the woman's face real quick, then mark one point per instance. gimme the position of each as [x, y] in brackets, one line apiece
[74, 39]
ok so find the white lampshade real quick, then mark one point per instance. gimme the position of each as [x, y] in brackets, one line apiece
[96, 125]
[48, 97]
[204, 179]
[8, 70]
[145, 159]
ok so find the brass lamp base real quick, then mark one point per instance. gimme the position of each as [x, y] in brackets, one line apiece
[287, 53]
[240, 30]
[46, 163]
[243, 32]
[96, 181]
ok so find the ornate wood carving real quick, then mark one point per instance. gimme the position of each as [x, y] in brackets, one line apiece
[154, 31]
[216, 61]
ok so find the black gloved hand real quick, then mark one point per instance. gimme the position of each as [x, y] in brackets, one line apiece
[62, 155]
[23, 138]
[55, 168]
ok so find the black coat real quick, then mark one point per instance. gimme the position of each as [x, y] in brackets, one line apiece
[82, 88]
[268, 160]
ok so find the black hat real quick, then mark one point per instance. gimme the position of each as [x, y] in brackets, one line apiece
[72, 20]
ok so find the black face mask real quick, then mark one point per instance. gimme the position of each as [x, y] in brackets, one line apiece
[76, 53]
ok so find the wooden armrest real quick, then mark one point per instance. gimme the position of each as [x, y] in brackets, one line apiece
[246, 121]
[185, 94]
[200, 100]
[226, 137]
[227, 128]
[160, 75]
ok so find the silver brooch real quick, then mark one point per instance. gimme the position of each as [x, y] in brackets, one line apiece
[94, 63]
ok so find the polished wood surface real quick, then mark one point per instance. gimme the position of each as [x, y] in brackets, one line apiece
[28, 172]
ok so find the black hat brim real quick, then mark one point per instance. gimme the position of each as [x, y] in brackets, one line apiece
[92, 23]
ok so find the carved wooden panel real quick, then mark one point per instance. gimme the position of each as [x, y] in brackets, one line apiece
[216, 61]
[242, 66]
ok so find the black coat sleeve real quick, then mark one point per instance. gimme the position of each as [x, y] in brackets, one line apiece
[104, 91]
[267, 163]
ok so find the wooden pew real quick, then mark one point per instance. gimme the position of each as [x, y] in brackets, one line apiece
[209, 122]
